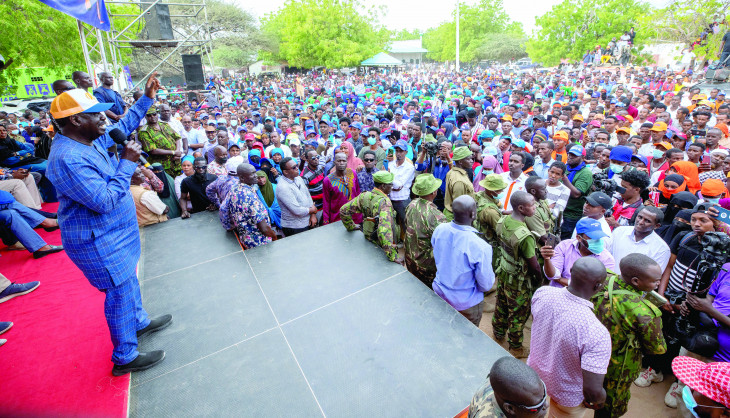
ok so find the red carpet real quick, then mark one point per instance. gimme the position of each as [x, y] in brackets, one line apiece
[57, 361]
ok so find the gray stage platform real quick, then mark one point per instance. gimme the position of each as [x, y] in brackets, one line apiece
[319, 324]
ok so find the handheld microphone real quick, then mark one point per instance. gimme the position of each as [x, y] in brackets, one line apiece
[121, 139]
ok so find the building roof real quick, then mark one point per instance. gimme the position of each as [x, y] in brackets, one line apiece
[406, 47]
[381, 60]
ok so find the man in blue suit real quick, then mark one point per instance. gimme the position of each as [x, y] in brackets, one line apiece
[97, 215]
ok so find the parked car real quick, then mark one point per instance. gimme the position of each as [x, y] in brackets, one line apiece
[525, 63]
[20, 105]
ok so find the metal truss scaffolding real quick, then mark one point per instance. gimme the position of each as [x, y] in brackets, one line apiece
[103, 51]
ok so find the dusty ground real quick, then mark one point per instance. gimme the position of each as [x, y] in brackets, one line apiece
[645, 402]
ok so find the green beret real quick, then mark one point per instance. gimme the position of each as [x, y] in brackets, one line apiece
[425, 184]
[460, 153]
[152, 109]
[493, 182]
[429, 138]
[382, 176]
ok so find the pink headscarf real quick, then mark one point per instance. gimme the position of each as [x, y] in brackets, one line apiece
[352, 161]
[488, 163]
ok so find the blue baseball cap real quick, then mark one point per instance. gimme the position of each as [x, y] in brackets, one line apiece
[641, 158]
[339, 134]
[310, 132]
[590, 227]
[621, 153]
[364, 131]
[401, 145]
[577, 150]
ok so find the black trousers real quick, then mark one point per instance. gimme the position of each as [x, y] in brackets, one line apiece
[293, 231]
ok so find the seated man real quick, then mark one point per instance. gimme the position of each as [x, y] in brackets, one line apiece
[22, 185]
[150, 209]
[463, 261]
[21, 221]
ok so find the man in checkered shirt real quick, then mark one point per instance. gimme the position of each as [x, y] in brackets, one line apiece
[97, 215]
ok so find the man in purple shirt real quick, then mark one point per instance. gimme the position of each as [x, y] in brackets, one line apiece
[587, 243]
[570, 348]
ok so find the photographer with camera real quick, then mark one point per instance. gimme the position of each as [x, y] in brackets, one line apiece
[632, 194]
[437, 163]
[717, 306]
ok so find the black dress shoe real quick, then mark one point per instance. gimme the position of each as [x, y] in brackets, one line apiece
[51, 229]
[159, 323]
[143, 362]
[54, 249]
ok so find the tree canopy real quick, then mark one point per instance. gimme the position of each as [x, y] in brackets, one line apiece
[481, 24]
[37, 31]
[685, 23]
[572, 27]
[328, 33]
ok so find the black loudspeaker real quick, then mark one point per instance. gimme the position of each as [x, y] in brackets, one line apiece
[194, 76]
[158, 22]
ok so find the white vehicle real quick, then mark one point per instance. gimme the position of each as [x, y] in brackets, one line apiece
[20, 105]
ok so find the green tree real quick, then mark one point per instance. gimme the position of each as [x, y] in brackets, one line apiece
[682, 22]
[36, 35]
[405, 34]
[477, 23]
[330, 33]
[572, 27]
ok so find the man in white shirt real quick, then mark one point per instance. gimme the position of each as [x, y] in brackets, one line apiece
[597, 203]
[276, 143]
[640, 238]
[515, 179]
[195, 138]
[404, 172]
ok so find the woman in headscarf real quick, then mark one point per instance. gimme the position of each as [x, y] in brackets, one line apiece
[680, 223]
[267, 195]
[268, 167]
[678, 201]
[672, 184]
[187, 171]
[254, 158]
[489, 163]
[690, 172]
[448, 128]
[353, 163]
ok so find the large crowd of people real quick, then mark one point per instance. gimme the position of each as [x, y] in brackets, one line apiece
[583, 197]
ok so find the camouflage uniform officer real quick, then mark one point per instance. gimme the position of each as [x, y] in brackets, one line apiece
[517, 265]
[488, 212]
[635, 325]
[542, 222]
[457, 179]
[422, 217]
[379, 224]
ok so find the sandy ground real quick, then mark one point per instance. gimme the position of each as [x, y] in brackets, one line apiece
[645, 402]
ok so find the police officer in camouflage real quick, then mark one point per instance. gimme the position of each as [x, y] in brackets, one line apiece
[489, 213]
[635, 325]
[542, 222]
[379, 224]
[422, 217]
[516, 271]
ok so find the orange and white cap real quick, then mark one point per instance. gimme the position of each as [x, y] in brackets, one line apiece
[76, 101]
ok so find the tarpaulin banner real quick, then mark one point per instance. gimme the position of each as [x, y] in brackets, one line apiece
[92, 12]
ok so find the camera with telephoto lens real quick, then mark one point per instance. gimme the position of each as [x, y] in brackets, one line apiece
[432, 148]
[697, 332]
[601, 183]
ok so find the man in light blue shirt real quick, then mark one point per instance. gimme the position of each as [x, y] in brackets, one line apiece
[463, 261]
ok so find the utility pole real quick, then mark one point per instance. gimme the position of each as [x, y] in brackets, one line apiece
[457, 36]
